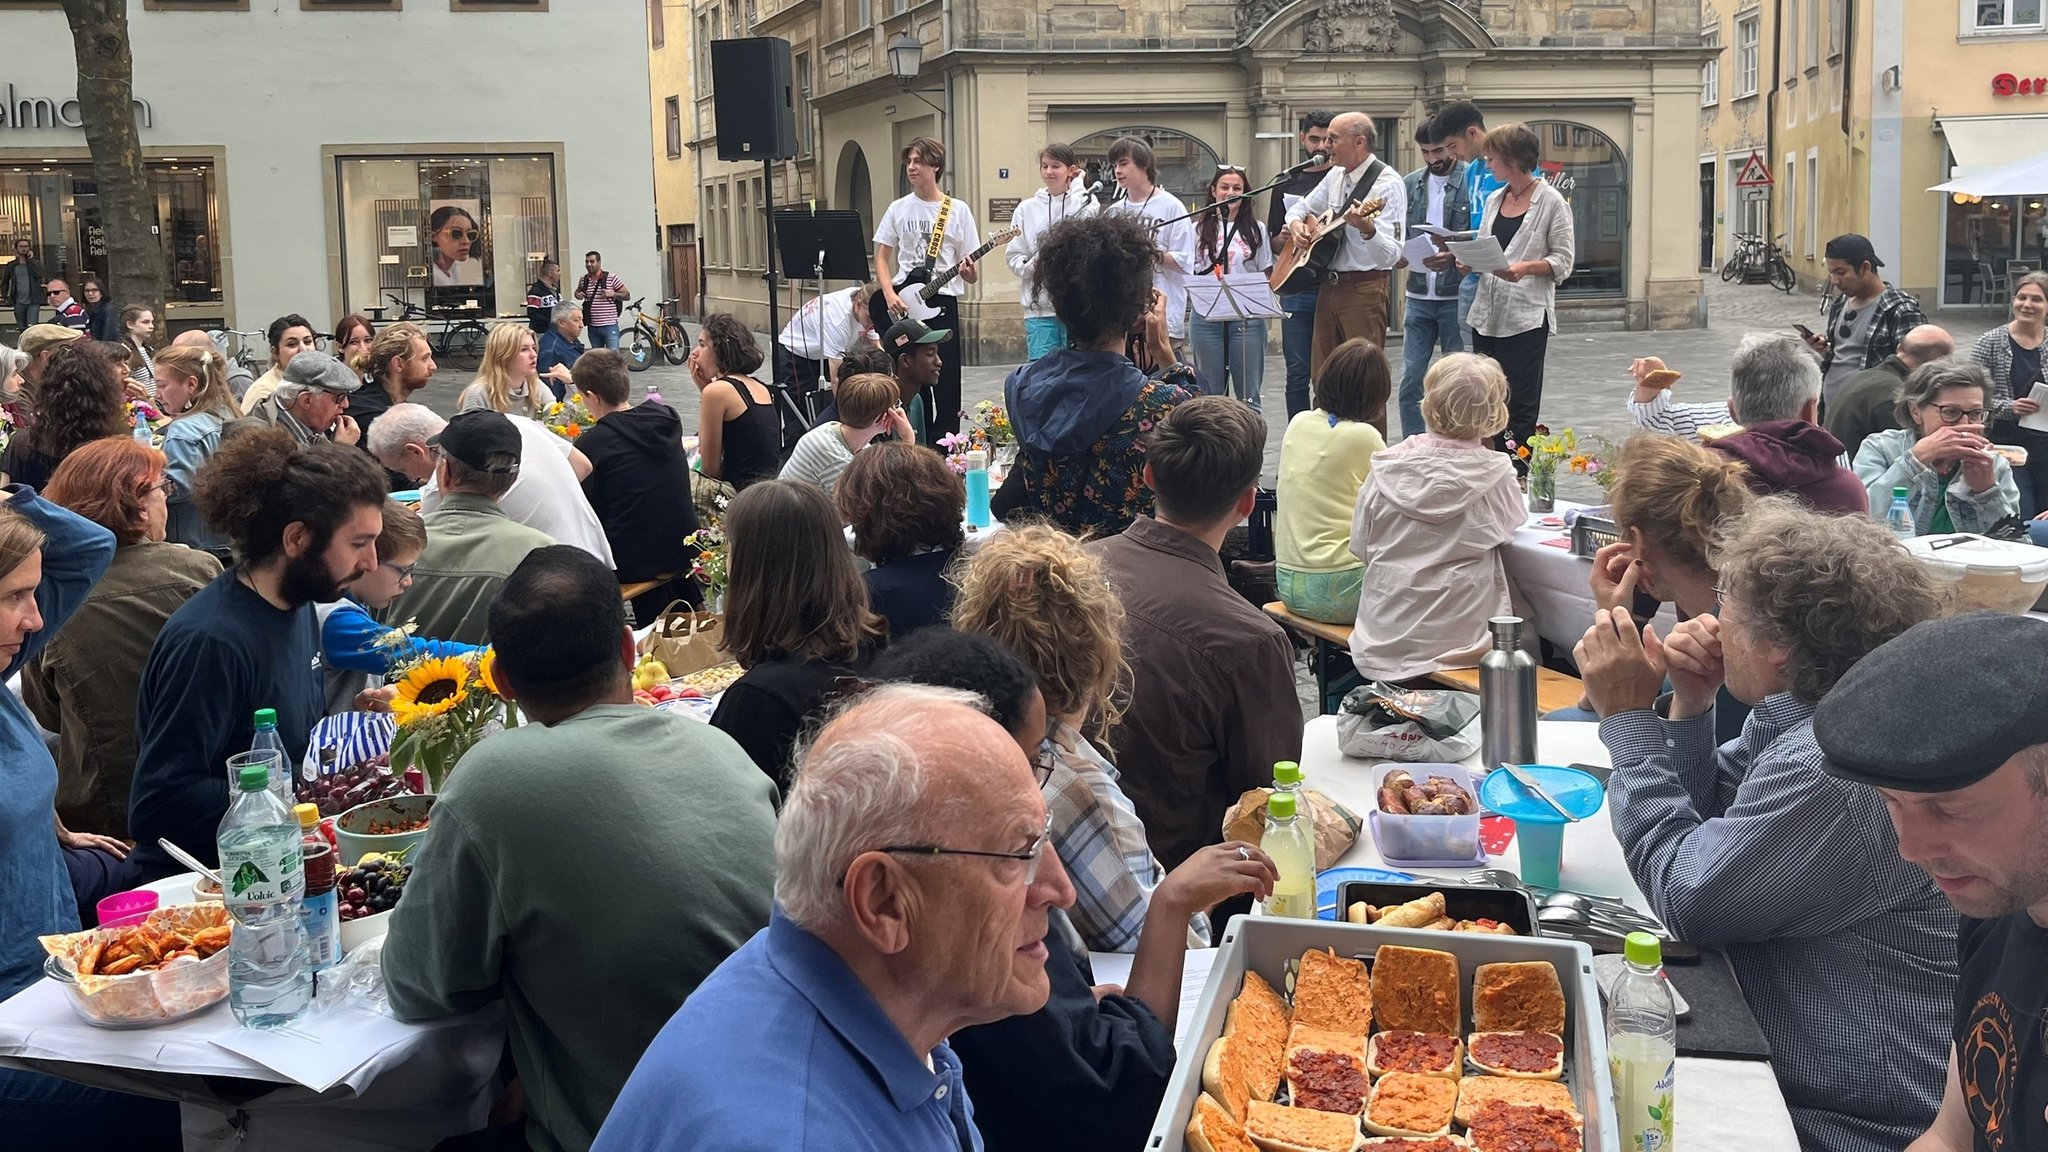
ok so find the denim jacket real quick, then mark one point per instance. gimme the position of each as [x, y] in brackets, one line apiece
[1457, 217]
[1886, 461]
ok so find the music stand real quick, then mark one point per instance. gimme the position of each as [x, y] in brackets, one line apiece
[832, 244]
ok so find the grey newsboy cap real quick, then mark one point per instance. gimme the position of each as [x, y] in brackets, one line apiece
[311, 369]
[1940, 706]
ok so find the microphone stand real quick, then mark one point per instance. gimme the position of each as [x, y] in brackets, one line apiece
[1227, 201]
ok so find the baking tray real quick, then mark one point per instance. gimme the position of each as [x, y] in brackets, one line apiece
[1461, 902]
[1266, 943]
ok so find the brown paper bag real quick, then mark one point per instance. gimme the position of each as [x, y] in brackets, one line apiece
[686, 640]
[1335, 826]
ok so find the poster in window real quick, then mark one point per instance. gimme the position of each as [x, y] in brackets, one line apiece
[453, 226]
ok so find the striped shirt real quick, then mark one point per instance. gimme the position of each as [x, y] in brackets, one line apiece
[1845, 952]
[1663, 414]
[819, 457]
[601, 309]
[1101, 843]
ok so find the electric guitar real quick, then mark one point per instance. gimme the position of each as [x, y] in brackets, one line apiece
[921, 287]
[1300, 267]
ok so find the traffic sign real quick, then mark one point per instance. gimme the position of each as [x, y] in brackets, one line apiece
[1755, 173]
[1751, 194]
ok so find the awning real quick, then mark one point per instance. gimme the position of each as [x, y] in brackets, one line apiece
[1985, 142]
[2028, 177]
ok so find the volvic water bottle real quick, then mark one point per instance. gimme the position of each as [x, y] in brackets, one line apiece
[1900, 518]
[1294, 854]
[263, 877]
[267, 740]
[1642, 1047]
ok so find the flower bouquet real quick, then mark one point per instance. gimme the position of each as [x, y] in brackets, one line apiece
[567, 418]
[988, 430]
[1545, 451]
[709, 568]
[443, 706]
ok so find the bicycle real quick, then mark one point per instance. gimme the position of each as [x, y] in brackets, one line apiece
[459, 343]
[642, 338]
[235, 344]
[1753, 260]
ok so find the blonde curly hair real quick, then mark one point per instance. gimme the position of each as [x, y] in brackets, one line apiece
[1465, 397]
[1033, 589]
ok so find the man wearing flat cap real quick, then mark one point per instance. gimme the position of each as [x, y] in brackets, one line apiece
[312, 401]
[472, 546]
[37, 342]
[1949, 724]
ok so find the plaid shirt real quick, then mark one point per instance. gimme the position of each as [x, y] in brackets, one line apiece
[1897, 314]
[1102, 845]
[1845, 952]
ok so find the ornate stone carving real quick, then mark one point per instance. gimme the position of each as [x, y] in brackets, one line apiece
[1253, 14]
[1352, 26]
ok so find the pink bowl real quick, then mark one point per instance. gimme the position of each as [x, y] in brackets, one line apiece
[126, 908]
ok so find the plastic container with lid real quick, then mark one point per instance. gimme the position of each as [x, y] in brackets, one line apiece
[1982, 573]
[1427, 841]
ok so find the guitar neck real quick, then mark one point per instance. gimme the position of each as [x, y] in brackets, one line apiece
[944, 278]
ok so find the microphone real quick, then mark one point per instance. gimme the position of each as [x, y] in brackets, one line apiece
[1314, 159]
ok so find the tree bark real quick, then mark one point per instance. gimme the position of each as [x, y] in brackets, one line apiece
[136, 271]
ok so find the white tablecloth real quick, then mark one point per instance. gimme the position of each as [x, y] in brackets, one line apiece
[1555, 583]
[1722, 1105]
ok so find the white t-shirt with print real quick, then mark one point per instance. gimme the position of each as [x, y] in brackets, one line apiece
[907, 228]
[1177, 240]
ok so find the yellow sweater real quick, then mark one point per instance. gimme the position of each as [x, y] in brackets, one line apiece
[1323, 464]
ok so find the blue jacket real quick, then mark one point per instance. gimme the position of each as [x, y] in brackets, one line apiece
[1457, 218]
[555, 349]
[349, 639]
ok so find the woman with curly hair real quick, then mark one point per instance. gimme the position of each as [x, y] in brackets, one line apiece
[78, 400]
[904, 505]
[1082, 412]
[739, 435]
[508, 380]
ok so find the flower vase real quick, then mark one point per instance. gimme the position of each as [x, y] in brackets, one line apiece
[1543, 489]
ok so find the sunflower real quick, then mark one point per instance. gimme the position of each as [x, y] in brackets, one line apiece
[430, 688]
[487, 671]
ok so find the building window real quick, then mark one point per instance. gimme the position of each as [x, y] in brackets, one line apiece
[1812, 203]
[863, 14]
[304, 5]
[803, 104]
[1185, 163]
[462, 233]
[1790, 29]
[672, 121]
[56, 208]
[1990, 239]
[1746, 51]
[899, 6]
[702, 77]
[1710, 74]
[188, 5]
[657, 24]
[2000, 15]
[497, 5]
[1791, 181]
[1838, 15]
[1592, 174]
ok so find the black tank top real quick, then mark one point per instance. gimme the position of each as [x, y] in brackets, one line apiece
[753, 439]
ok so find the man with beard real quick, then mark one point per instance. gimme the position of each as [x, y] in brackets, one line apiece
[399, 364]
[1437, 196]
[303, 519]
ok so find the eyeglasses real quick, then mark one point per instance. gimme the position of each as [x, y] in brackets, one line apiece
[165, 486]
[1029, 857]
[403, 571]
[1951, 414]
[1048, 757]
[462, 234]
[1237, 168]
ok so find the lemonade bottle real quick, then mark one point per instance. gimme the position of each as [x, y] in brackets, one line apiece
[1642, 1046]
[1287, 842]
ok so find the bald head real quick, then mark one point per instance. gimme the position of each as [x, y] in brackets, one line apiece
[1926, 343]
[192, 338]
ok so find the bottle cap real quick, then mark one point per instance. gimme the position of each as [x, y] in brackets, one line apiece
[1507, 630]
[266, 717]
[308, 814]
[977, 460]
[1898, 493]
[1280, 805]
[1643, 950]
[1287, 772]
[254, 778]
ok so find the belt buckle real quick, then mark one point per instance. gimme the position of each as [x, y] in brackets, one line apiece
[1331, 277]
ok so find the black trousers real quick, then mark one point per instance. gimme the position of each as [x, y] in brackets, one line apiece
[942, 402]
[1521, 357]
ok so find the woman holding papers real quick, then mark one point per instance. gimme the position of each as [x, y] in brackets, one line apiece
[1229, 344]
[1527, 232]
[2012, 354]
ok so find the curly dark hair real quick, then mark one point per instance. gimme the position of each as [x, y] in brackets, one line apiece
[732, 343]
[79, 400]
[261, 481]
[900, 497]
[863, 360]
[1098, 271]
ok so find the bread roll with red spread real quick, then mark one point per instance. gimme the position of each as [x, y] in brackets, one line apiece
[1517, 1055]
[1422, 1053]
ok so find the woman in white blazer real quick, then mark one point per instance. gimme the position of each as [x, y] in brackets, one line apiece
[1515, 310]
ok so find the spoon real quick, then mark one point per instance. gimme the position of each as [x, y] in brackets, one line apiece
[188, 860]
[1572, 922]
[1564, 914]
[1617, 912]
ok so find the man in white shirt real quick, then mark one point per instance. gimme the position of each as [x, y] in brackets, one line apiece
[929, 231]
[822, 332]
[1354, 294]
[548, 495]
[1436, 196]
[1060, 199]
[1137, 173]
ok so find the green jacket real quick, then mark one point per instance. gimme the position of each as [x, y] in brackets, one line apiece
[471, 547]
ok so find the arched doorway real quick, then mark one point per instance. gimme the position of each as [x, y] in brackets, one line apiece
[1185, 163]
[853, 189]
[1592, 173]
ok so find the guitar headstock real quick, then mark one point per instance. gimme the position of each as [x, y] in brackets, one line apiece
[1370, 208]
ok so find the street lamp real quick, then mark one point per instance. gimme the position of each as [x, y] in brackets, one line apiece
[906, 52]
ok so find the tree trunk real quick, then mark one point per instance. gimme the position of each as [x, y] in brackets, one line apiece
[106, 104]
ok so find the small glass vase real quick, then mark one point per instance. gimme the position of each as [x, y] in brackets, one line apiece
[1542, 489]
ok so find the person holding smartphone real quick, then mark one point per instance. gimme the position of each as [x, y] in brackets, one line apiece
[1866, 322]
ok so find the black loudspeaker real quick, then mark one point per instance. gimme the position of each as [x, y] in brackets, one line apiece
[753, 112]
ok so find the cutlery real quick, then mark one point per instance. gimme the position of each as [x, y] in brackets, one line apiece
[1530, 786]
[1502, 878]
[1570, 922]
[189, 861]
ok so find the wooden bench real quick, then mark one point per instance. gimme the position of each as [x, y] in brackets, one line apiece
[1554, 690]
[641, 588]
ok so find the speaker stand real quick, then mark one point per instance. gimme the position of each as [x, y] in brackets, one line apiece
[780, 392]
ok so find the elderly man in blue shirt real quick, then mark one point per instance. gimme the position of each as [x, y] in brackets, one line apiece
[1845, 952]
[914, 885]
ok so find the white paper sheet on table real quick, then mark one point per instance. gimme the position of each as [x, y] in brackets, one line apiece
[1481, 255]
[320, 1050]
[2038, 421]
[1115, 968]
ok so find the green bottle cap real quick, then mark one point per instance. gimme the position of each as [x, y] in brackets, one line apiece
[1898, 493]
[1280, 805]
[1287, 772]
[1643, 950]
[254, 778]
[266, 717]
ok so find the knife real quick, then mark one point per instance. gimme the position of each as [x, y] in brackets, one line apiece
[1530, 786]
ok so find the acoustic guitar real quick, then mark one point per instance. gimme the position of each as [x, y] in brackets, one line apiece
[1300, 267]
[921, 287]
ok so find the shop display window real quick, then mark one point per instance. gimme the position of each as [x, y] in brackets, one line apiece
[56, 208]
[453, 234]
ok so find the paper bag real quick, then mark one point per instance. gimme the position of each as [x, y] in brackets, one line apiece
[685, 640]
[1335, 827]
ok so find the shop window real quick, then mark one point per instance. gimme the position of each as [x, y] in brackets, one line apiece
[55, 207]
[1592, 173]
[1988, 243]
[462, 234]
[1185, 164]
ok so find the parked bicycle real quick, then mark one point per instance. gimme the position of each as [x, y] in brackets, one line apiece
[1754, 260]
[642, 337]
[459, 341]
[249, 349]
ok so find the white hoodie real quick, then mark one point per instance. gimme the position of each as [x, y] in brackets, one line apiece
[1031, 219]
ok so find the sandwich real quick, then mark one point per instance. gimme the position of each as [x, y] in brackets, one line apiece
[1258, 1021]
[1420, 1053]
[1508, 1128]
[1308, 1036]
[1223, 1075]
[1335, 993]
[1660, 379]
[1477, 1093]
[1416, 990]
[1518, 1055]
[2013, 453]
[1521, 997]
[1280, 1129]
[1404, 1104]
[1211, 1129]
[1419, 913]
[1327, 1078]
[1415, 1144]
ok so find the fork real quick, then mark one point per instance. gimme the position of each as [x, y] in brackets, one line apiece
[1502, 878]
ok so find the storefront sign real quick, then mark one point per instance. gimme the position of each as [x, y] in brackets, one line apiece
[49, 112]
[2007, 84]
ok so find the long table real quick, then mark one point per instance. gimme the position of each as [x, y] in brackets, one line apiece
[1552, 585]
[1721, 1104]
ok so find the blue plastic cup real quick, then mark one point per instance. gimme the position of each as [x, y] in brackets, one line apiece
[1542, 850]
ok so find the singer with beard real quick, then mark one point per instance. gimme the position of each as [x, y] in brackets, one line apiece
[1437, 195]
[1298, 329]
[304, 520]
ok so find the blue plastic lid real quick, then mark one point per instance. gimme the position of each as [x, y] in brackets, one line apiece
[1579, 792]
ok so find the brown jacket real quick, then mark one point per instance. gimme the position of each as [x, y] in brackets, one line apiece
[84, 685]
[1213, 704]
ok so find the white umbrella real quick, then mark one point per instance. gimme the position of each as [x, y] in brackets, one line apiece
[2028, 177]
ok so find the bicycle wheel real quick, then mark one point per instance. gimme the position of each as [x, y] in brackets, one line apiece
[1732, 268]
[675, 343]
[1782, 276]
[462, 347]
[638, 350]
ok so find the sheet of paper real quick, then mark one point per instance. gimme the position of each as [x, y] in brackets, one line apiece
[1481, 255]
[2039, 420]
[1289, 201]
[1418, 248]
[321, 1048]
[1115, 968]
[1446, 233]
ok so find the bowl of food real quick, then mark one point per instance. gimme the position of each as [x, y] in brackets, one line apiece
[390, 827]
[172, 965]
[1982, 574]
[365, 894]
[1426, 814]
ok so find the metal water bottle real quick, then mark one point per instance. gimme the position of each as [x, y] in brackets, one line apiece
[1507, 698]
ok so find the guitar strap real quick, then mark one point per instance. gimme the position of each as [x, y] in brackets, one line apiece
[931, 248]
[1363, 185]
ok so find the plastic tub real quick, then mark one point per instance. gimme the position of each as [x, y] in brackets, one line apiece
[143, 999]
[1982, 573]
[350, 827]
[126, 907]
[1427, 841]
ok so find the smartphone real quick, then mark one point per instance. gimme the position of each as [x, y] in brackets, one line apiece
[1804, 331]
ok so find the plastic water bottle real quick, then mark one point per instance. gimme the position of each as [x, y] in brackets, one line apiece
[1900, 518]
[977, 489]
[1286, 776]
[263, 877]
[1642, 1046]
[319, 908]
[143, 435]
[1287, 842]
[267, 740]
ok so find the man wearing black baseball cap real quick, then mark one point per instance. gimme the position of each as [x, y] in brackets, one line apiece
[472, 546]
[1869, 318]
[914, 353]
[1949, 723]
